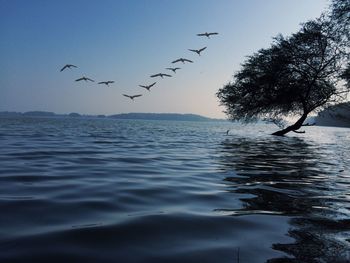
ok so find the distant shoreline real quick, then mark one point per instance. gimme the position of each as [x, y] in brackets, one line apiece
[121, 116]
[329, 117]
[335, 116]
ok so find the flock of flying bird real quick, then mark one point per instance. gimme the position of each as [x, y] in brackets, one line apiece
[162, 75]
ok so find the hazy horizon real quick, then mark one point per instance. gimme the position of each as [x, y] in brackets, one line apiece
[111, 114]
[127, 41]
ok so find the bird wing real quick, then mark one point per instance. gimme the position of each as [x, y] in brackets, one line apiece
[127, 96]
[142, 86]
[167, 75]
[178, 60]
[185, 59]
[74, 66]
[102, 82]
[90, 80]
[193, 50]
[154, 83]
[202, 49]
[64, 68]
[201, 34]
[110, 81]
[79, 79]
[135, 96]
[214, 33]
[155, 75]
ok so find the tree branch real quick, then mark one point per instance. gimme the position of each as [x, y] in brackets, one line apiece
[308, 124]
[298, 131]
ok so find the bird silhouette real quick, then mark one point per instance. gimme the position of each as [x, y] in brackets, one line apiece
[132, 96]
[183, 60]
[173, 69]
[162, 75]
[198, 51]
[68, 66]
[207, 34]
[148, 87]
[106, 82]
[85, 78]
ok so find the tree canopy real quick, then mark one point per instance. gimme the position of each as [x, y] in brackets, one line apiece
[293, 77]
[340, 13]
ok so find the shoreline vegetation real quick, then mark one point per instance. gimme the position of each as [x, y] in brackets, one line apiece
[336, 115]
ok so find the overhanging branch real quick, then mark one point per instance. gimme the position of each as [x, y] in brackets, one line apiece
[298, 131]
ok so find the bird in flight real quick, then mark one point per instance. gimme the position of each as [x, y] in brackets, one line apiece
[162, 75]
[148, 87]
[68, 66]
[106, 82]
[132, 96]
[173, 69]
[85, 78]
[183, 60]
[207, 34]
[198, 51]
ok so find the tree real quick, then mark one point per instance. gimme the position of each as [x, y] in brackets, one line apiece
[340, 19]
[294, 77]
[340, 15]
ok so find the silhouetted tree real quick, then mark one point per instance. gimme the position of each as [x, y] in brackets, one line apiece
[294, 77]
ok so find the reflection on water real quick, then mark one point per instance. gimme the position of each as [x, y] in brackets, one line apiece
[102, 190]
[299, 179]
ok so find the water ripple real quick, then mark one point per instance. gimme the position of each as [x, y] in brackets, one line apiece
[102, 190]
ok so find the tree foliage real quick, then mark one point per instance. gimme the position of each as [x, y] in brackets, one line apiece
[340, 19]
[340, 14]
[295, 76]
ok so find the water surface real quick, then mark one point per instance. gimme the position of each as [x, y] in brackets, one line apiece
[103, 190]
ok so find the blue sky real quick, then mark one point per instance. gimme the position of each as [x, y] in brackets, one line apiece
[127, 41]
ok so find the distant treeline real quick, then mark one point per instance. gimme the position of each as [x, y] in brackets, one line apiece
[125, 116]
[336, 115]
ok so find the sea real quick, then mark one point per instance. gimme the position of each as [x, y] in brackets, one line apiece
[107, 190]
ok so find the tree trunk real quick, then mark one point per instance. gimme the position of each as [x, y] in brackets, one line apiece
[293, 127]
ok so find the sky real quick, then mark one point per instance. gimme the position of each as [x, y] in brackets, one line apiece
[127, 41]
